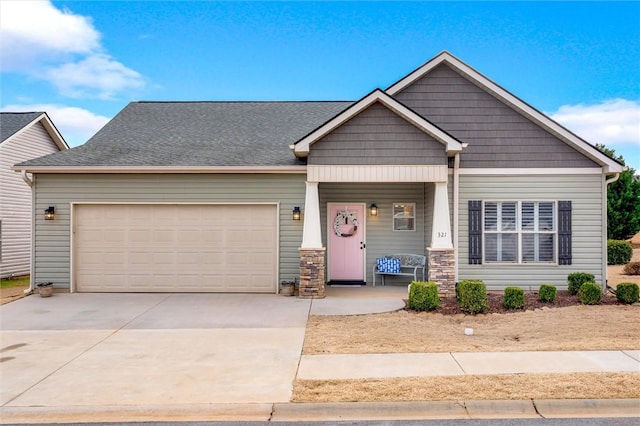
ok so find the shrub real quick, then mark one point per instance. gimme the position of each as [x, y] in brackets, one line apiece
[590, 294]
[576, 280]
[632, 268]
[547, 293]
[627, 293]
[423, 296]
[513, 298]
[472, 296]
[619, 252]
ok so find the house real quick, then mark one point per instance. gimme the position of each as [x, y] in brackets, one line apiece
[23, 136]
[206, 196]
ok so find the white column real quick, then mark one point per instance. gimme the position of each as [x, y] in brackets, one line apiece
[441, 226]
[311, 231]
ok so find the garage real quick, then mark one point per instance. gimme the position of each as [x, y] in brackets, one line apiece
[175, 248]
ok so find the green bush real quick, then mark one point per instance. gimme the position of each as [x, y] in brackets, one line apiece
[513, 298]
[576, 279]
[628, 293]
[423, 296]
[619, 252]
[472, 296]
[590, 294]
[632, 268]
[547, 293]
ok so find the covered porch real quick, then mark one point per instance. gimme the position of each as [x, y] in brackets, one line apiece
[343, 235]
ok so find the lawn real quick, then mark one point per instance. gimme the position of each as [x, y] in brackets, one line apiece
[12, 289]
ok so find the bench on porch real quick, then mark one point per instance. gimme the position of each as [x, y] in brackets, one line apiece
[400, 264]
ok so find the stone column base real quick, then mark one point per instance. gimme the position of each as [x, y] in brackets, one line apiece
[312, 282]
[442, 269]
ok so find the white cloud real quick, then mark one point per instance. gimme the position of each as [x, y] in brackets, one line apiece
[99, 74]
[76, 125]
[61, 47]
[612, 122]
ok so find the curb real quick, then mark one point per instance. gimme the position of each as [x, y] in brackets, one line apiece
[339, 411]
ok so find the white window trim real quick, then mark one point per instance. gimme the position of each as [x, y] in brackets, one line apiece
[393, 221]
[519, 231]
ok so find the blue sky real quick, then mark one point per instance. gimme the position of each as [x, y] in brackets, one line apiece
[83, 61]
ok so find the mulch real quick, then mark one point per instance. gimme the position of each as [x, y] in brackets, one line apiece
[450, 306]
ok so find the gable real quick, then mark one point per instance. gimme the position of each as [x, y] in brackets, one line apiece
[498, 136]
[377, 136]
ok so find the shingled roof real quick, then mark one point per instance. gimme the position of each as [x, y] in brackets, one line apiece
[12, 122]
[198, 134]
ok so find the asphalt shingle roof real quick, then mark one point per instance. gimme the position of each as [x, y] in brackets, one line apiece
[199, 134]
[12, 122]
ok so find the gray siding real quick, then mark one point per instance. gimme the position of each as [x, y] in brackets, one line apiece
[497, 135]
[15, 198]
[380, 238]
[377, 136]
[52, 247]
[584, 191]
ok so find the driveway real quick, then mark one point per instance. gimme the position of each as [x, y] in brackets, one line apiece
[122, 349]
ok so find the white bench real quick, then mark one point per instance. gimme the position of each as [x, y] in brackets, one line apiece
[410, 264]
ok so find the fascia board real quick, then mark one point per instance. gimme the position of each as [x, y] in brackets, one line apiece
[160, 170]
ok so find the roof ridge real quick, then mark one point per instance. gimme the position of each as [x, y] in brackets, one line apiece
[239, 102]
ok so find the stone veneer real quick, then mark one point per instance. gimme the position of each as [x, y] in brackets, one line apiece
[442, 269]
[312, 273]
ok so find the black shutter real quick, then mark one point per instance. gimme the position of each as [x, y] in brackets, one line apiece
[475, 232]
[564, 232]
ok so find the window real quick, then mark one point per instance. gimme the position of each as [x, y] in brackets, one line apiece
[404, 215]
[519, 231]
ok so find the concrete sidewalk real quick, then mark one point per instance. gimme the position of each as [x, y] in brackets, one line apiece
[366, 366]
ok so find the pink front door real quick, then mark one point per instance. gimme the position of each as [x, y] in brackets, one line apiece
[346, 238]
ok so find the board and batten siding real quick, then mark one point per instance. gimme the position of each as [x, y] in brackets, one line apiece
[380, 237]
[377, 136]
[497, 135]
[16, 198]
[584, 192]
[52, 243]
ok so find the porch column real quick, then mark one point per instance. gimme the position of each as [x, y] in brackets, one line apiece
[312, 253]
[441, 255]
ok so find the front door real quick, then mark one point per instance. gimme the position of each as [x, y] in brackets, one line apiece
[346, 237]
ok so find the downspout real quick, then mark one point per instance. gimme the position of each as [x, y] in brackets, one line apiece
[26, 178]
[605, 251]
[29, 182]
[456, 210]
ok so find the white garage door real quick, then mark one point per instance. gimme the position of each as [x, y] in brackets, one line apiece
[175, 248]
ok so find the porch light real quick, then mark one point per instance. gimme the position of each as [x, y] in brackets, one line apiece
[296, 213]
[373, 209]
[49, 213]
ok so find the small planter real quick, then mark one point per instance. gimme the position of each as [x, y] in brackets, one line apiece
[45, 289]
[287, 288]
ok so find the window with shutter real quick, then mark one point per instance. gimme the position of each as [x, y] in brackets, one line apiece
[520, 232]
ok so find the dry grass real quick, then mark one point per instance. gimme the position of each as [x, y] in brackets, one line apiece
[572, 328]
[514, 387]
[615, 273]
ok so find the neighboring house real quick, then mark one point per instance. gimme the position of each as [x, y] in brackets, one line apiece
[23, 136]
[200, 196]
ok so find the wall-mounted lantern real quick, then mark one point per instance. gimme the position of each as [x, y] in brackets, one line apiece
[373, 210]
[296, 213]
[49, 213]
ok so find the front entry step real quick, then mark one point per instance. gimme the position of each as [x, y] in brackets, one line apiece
[350, 283]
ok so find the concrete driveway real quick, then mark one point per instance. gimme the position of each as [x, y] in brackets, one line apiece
[121, 349]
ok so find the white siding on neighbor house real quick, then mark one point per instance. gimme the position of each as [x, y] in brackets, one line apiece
[380, 238]
[584, 191]
[15, 198]
[52, 246]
